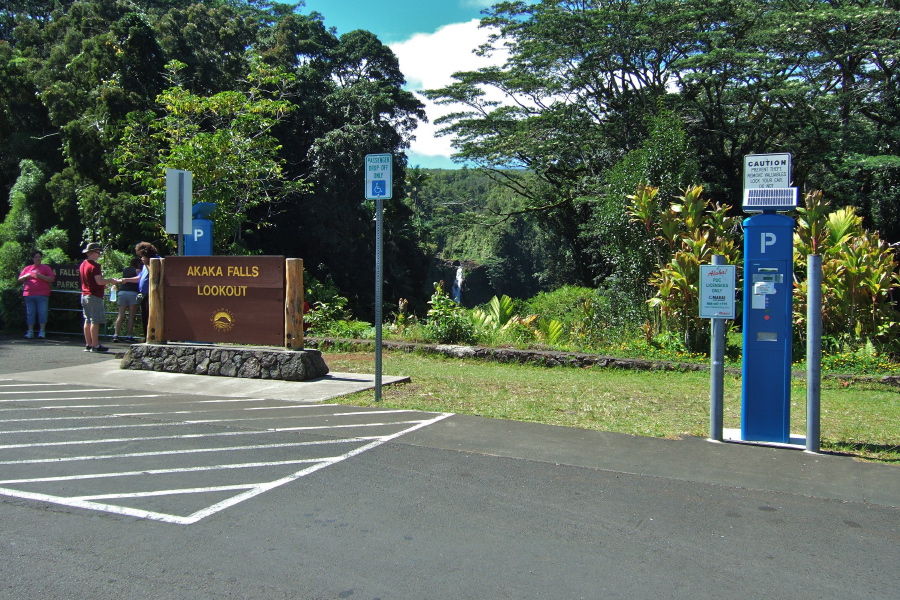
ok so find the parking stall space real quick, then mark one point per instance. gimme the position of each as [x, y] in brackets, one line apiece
[173, 457]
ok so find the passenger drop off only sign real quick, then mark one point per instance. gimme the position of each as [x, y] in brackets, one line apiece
[379, 176]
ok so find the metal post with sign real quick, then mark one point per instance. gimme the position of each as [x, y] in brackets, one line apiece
[717, 304]
[379, 186]
[768, 293]
[179, 188]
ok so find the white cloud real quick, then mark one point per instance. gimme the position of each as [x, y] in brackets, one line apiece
[479, 3]
[428, 61]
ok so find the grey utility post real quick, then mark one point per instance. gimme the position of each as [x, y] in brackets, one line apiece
[379, 179]
[813, 350]
[717, 371]
[716, 289]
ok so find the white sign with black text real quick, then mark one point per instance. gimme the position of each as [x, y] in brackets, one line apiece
[767, 171]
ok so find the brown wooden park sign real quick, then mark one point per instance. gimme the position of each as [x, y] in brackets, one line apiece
[227, 300]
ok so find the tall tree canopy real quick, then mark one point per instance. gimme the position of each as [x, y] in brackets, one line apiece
[272, 111]
[817, 78]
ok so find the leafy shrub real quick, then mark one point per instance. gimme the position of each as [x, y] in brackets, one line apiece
[447, 322]
[360, 330]
[865, 361]
[12, 306]
[113, 262]
[565, 304]
[318, 291]
[13, 257]
[859, 273]
[324, 317]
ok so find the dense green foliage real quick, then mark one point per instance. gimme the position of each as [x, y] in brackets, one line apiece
[271, 111]
[603, 94]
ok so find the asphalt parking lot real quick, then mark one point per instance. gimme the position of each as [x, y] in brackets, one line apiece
[172, 457]
[129, 484]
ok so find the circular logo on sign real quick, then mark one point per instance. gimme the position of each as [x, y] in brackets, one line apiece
[222, 320]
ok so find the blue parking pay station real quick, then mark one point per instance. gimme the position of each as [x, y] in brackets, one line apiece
[200, 240]
[768, 291]
[768, 295]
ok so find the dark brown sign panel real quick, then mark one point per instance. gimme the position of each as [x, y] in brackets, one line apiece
[225, 299]
[67, 277]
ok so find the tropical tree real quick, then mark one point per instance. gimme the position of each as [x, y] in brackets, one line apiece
[859, 275]
[225, 140]
[814, 77]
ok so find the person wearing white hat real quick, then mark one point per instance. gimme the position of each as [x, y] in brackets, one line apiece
[93, 285]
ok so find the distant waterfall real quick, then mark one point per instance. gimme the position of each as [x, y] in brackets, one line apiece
[456, 290]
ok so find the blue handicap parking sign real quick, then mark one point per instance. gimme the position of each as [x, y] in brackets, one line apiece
[379, 188]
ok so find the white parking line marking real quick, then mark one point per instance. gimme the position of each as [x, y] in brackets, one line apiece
[143, 403]
[6, 385]
[35, 461]
[79, 390]
[222, 467]
[78, 398]
[374, 412]
[250, 493]
[313, 428]
[245, 490]
[69, 418]
[97, 428]
[166, 437]
[218, 488]
[200, 422]
[178, 412]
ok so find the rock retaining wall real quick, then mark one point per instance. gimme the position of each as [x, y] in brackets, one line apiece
[250, 362]
[552, 358]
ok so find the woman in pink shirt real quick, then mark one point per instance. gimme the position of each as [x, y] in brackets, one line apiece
[37, 278]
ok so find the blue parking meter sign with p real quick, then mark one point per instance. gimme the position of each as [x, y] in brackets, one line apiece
[379, 176]
[768, 294]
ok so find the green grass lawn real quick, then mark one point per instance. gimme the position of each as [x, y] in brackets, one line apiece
[860, 419]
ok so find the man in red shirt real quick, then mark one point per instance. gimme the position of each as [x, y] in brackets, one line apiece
[92, 287]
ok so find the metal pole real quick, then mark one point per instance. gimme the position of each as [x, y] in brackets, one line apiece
[716, 370]
[813, 351]
[181, 213]
[379, 270]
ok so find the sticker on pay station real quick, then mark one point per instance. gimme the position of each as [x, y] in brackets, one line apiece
[379, 175]
[716, 291]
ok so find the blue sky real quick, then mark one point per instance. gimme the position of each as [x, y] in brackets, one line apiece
[395, 20]
[432, 40]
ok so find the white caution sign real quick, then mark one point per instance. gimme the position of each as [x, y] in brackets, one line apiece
[767, 171]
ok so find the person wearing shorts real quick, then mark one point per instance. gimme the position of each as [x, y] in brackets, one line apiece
[93, 285]
[127, 299]
[37, 278]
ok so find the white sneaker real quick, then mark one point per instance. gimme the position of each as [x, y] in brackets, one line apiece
[29, 334]
[41, 334]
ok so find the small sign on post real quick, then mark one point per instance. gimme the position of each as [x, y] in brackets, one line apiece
[717, 291]
[179, 186]
[379, 176]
